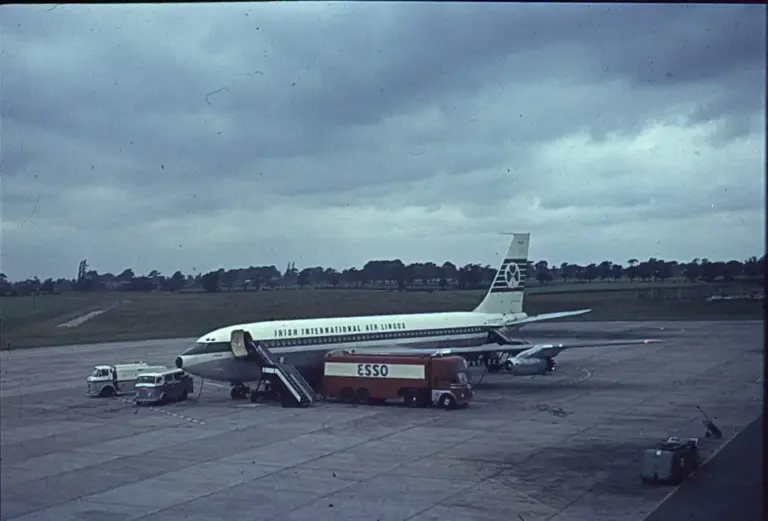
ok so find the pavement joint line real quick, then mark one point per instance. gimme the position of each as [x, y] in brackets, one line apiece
[162, 410]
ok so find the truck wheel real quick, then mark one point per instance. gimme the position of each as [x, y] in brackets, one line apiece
[447, 401]
[348, 395]
[411, 398]
[107, 392]
[363, 396]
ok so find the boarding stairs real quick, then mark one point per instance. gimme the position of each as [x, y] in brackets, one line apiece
[294, 388]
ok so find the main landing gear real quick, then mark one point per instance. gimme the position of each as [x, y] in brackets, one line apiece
[239, 391]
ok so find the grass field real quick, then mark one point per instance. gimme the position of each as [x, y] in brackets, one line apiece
[32, 322]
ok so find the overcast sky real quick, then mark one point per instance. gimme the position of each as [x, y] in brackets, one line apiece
[195, 137]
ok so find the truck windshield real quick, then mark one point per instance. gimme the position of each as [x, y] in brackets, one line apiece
[462, 378]
[145, 379]
[99, 372]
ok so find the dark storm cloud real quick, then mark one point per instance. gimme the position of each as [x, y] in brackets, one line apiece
[118, 116]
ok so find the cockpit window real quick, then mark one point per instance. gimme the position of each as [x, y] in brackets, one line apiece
[208, 347]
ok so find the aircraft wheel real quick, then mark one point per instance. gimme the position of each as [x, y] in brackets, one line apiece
[238, 392]
[493, 365]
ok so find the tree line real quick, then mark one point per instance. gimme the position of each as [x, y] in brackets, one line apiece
[393, 274]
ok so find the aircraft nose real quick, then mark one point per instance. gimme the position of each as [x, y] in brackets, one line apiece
[179, 362]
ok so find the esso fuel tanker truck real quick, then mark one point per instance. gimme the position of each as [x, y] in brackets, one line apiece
[417, 380]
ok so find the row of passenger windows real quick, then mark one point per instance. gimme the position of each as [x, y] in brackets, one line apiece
[223, 347]
[341, 339]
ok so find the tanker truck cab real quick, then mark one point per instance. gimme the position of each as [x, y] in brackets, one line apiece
[161, 387]
[112, 380]
[452, 385]
[417, 380]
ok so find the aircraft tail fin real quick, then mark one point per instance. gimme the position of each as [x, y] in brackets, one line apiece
[506, 292]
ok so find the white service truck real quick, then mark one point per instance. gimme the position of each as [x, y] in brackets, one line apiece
[111, 380]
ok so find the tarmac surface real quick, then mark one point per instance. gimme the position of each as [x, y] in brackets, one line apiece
[561, 447]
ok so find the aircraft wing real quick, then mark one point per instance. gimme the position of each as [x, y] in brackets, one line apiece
[544, 316]
[521, 351]
[552, 350]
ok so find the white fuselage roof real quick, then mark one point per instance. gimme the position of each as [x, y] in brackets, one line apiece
[318, 327]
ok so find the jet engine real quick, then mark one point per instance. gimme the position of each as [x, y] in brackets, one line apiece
[529, 366]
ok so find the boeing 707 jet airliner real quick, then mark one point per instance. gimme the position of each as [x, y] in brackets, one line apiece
[483, 333]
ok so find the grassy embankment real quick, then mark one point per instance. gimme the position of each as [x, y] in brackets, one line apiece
[33, 322]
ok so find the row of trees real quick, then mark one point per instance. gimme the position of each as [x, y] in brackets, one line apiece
[385, 273]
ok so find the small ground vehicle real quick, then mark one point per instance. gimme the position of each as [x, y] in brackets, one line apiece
[111, 380]
[671, 462]
[417, 380]
[172, 385]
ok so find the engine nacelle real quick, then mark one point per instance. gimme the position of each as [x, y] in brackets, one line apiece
[529, 366]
